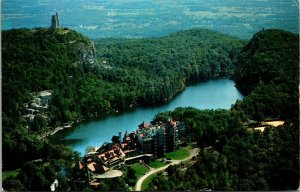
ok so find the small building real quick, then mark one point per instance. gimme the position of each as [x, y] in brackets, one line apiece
[114, 157]
[55, 21]
[97, 168]
[99, 161]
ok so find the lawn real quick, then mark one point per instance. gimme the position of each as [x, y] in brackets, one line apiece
[178, 154]
[156, 164]
[188, 147]
[147, 181]
[140, 170]
[13, 173]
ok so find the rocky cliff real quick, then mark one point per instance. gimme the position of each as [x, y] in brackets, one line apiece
[87, 55]
[40, 59]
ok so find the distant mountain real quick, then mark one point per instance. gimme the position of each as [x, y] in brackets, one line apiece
[148, 18]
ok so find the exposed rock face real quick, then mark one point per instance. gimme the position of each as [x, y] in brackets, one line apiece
[38, 106]
[52, 49]
[88, 55]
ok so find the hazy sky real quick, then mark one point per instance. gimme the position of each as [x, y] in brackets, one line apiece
[147, 18]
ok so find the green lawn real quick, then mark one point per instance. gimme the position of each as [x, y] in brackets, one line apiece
[179, 154]
[189, 147]
[140, 170]
[156, 164]
[147, 181]
[13, 173]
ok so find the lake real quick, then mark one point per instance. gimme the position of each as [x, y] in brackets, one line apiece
[153, 18]
[212, 94]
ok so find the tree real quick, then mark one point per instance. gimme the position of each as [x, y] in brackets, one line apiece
[130, 176]
[12, 184]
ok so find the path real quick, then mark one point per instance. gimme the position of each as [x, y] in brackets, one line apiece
[109, 174]
[193, 153]
[136, 157]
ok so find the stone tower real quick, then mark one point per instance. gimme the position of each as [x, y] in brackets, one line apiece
[55, 21]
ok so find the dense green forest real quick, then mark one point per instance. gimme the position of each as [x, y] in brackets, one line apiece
[268, 70]
[159, 68]
[87, 84]
[124, 73]
[270, 57]
[232, 157]
[136, 72]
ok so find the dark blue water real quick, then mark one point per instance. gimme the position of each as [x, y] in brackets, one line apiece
[211, 94]
[153, 18]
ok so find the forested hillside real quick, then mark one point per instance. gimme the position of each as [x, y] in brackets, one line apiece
[86, 84]
[159, 68]
[270, 57]
[185, 56]
[125, 74]
[156, 69]
[122, 73]
[268, 70]
[233, 156]
[36, 60]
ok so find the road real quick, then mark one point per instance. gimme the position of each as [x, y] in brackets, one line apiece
[138, 186]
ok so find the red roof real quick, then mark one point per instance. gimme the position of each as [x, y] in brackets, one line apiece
[80, 165]
[111, 153]
[173, 123]
[105, 168]
[145, 124]
[91, 166]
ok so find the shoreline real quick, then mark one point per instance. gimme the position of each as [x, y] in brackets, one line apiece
[130, 108]
[57, 129]
[117, 112]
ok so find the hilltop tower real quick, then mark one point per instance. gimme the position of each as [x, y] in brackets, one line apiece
[55, 21]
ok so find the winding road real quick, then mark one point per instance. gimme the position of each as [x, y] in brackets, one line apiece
[138, 186]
